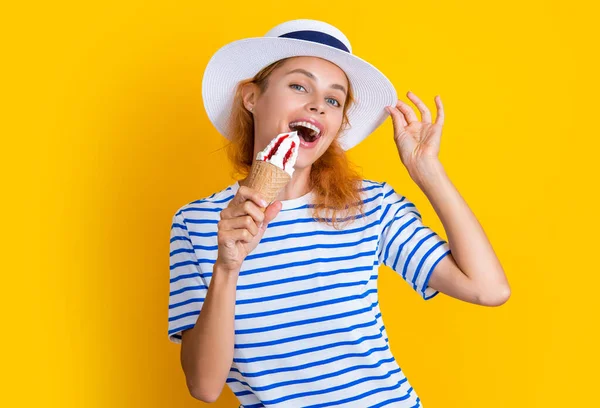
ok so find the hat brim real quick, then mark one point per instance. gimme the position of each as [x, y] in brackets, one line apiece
[242, 59]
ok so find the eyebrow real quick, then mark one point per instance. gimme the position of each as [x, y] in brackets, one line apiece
[311, 76]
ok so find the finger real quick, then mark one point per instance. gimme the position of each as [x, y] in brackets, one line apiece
[425, 114]
[256, 212]
[246, 208]
[271, 212]
[439, 119]
[246, 193]
[242, 235]
[408, 112]
[244, 222]
[397, 117]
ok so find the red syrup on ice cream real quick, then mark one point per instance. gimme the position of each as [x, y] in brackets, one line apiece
[274, 148]
[288, 154]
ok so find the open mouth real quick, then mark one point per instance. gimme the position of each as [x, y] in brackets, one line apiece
[307, 131]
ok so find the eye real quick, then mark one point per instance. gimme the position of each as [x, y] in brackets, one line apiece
[338, 104]
[336, 101]
[297, 85]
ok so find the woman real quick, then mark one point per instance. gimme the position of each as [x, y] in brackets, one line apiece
[290, 315]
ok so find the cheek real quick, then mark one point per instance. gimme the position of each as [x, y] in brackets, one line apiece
[328, 140]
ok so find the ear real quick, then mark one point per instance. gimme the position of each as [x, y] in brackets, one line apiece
[249, 93]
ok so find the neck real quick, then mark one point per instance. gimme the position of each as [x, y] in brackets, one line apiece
[298, 186]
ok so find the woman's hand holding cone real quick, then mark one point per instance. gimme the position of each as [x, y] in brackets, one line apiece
[242, 226]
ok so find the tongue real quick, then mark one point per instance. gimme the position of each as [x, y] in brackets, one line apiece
[305, 134]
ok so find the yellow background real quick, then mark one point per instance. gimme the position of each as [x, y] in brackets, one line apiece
[104, 137]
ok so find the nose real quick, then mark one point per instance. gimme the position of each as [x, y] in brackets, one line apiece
[316, 104]
[317, 107]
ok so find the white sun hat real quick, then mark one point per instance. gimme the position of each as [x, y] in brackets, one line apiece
[242, 59]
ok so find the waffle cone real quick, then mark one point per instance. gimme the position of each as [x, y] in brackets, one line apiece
[267, 179]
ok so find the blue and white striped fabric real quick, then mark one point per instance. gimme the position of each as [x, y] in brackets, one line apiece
[308, 328]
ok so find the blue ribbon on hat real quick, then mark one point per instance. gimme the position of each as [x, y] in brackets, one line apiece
[318, 37]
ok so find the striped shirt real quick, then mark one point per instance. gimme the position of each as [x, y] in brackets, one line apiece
[308, 328]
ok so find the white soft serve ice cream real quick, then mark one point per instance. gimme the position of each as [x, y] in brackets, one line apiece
[282, 151]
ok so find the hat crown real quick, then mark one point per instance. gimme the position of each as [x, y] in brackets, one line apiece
[312, 30]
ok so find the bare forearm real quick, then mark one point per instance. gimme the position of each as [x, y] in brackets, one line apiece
[207, 349]
[470, 246]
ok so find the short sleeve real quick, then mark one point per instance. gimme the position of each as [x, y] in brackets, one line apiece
[406, 245]
[187, 288]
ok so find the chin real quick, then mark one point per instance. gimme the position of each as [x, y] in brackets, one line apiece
[301, 165]
[305, 160]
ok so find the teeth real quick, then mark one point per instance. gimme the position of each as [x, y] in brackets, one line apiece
[315, 130]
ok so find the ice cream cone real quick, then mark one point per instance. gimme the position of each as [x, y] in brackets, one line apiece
[274, 166]
[268, 179]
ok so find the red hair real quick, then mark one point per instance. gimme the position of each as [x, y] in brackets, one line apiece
[336, 184]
